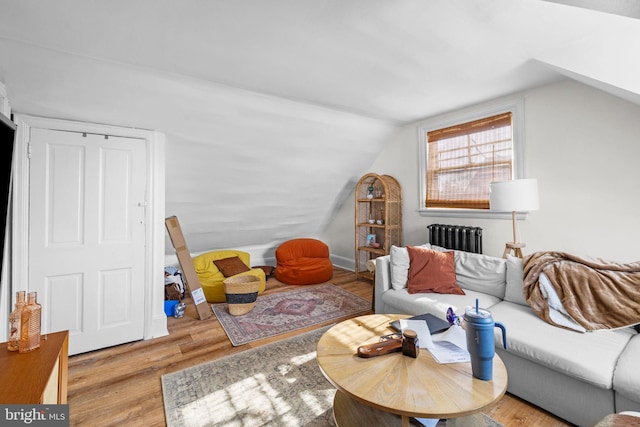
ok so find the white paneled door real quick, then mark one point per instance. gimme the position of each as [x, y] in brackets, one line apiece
[87, 236]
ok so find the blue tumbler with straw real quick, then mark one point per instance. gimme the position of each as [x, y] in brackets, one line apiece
[479, 325]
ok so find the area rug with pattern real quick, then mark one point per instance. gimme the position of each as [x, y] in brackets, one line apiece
[289, 311]
[277, 384]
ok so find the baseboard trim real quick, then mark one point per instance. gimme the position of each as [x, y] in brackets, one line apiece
[265, 255]
[342, 262]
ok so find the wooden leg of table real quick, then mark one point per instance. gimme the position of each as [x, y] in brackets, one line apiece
[405, 421]
[350, 413]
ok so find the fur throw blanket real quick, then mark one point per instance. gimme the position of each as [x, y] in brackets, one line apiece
[582, 294]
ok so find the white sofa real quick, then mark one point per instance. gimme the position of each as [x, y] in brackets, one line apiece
[580, 377]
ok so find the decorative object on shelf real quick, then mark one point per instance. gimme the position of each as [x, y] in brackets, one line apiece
[371, 239]
[378, 218]
[30, 323]
[15, 319]
[370, 191]
[517, 195]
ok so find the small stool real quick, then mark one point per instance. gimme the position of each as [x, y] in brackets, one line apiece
[303, 262]
[516, 248]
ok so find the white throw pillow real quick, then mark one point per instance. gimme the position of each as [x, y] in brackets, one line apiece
[514, 292]
[399, 260]
[481, 273]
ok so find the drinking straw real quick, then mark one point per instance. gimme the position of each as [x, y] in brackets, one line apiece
[477, 306]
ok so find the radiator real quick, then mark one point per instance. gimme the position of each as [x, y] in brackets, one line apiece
[468, 239]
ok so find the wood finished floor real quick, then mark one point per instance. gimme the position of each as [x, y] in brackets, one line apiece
[120, 386]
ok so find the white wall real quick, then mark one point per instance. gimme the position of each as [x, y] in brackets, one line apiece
[243, 168]
[582, 145]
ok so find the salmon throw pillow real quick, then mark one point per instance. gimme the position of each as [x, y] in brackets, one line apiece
[432, 271]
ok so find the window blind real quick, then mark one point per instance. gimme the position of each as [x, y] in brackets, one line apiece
[463, 159]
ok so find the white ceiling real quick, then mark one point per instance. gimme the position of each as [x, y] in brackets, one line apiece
[400, 60]
[251, 79]
[630, 8]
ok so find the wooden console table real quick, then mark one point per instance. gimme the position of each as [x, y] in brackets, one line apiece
[36, 377]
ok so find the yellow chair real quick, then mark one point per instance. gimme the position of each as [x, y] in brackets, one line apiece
[211, 277]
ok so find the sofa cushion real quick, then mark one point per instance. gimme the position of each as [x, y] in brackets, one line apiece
[482, 273]
[399, 265]
[514, 291]
[626, 380]
[431, 271]
[590, 357]
[400, 301]
[478, 272]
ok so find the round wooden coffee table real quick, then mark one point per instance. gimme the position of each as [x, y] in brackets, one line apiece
[379, 387]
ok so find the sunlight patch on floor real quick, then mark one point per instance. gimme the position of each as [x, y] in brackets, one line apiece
[253, 400]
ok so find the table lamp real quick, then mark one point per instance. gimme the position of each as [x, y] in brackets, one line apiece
[518, 195]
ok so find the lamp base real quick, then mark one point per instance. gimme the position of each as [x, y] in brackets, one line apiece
[516, 248]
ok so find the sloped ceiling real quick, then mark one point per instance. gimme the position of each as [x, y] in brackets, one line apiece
[273, 109]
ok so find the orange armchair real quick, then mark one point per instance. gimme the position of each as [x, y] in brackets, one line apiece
[303, 262]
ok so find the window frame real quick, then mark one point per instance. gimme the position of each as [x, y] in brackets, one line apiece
[515, 106]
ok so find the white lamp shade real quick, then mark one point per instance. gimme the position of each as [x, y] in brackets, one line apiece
[518, 195]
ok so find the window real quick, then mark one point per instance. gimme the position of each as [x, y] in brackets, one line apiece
[461, 156]
[463, 160]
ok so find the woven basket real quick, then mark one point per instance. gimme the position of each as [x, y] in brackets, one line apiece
[241, 293]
